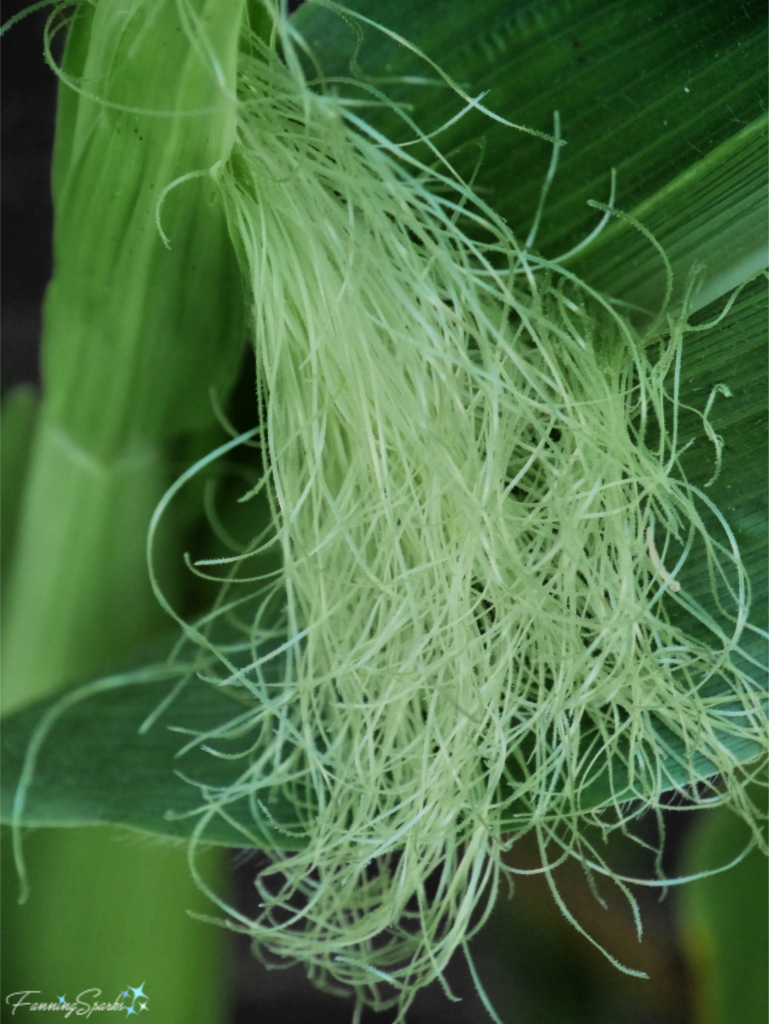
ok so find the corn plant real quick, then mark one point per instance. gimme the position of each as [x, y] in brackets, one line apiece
[487, 560]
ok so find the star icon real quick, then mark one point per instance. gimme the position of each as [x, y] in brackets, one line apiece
[142, 1006]
[62, 999]
[129, 1010]
[139, 992]
[124, 995]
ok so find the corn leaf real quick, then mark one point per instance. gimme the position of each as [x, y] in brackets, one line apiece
[712, 215]
[648, 88]
[95, 767]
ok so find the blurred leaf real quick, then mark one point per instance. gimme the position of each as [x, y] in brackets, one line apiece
[17, 431]
[107, 909]
[724, 922]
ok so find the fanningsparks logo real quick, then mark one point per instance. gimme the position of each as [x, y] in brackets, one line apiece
[130, 1001]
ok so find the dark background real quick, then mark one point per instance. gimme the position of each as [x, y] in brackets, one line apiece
[28, 89]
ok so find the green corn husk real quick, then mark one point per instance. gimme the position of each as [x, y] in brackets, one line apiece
[136, 333]
[77, 595]
[135, 336]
